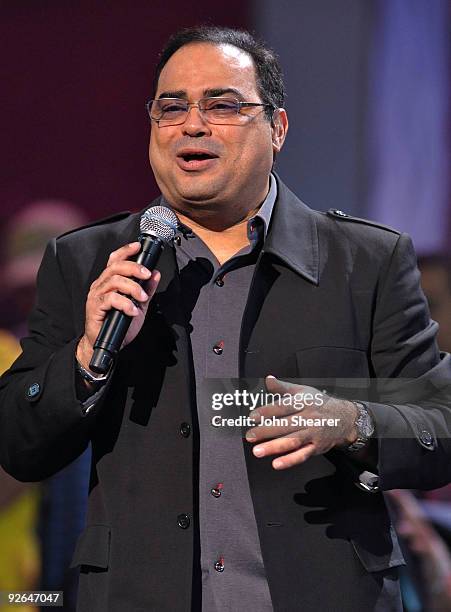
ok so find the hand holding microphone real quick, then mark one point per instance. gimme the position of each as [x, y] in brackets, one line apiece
[118, 299]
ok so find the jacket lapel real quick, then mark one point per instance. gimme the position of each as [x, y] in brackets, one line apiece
[292, 239]
[293, 234]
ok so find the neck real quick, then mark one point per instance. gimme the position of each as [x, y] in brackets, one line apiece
[218, 215]
[223, 243]
[225, 227]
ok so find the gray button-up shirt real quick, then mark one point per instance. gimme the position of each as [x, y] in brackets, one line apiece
[233, 573]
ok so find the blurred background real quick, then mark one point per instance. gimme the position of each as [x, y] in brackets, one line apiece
[368, 84]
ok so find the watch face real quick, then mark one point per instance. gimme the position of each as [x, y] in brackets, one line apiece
[364, 423]
[367, 429]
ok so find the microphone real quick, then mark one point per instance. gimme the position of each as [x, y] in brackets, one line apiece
[158, 226]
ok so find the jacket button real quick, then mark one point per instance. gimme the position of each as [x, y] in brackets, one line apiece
[185, 429]
[33, 390]
[426, 437]
[183, 521]
[219, 565]
[219, 282]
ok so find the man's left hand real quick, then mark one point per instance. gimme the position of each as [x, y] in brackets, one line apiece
[299, 440]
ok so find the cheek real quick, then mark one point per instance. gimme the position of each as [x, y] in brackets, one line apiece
[152, 147]
[255, 150]
[157, 149]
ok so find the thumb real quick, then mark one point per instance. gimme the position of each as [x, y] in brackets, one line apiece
[275, 385]
[150, 287]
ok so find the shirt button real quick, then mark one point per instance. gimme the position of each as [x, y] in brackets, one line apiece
[219, 282]
[218, 348]
[183, 521]
[185, 429]
[216, 491]
[219, 565]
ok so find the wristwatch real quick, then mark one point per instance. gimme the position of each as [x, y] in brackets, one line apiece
[87, 375]
[365, 428]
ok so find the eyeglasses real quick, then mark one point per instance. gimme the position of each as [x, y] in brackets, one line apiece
[218, 110]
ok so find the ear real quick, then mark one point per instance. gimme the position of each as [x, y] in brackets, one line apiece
[279, 129]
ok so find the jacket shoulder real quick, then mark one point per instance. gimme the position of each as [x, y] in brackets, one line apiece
[99, 238]
[103, 221]
[345, 217]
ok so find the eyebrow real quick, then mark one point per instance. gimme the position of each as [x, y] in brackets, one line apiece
[173, 94]
[214, 92]
[221, 91]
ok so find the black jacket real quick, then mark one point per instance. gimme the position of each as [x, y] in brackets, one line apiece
[332, 296]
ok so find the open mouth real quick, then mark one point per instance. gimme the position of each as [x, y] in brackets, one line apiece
[197, 156]
[194, 160]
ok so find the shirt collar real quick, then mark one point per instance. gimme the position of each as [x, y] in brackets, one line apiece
[264, 214]
[265, 211]
[293, 236]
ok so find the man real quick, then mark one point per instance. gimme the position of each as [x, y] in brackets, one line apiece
[183, 515]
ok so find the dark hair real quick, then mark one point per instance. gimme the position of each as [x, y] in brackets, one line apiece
[268, 73]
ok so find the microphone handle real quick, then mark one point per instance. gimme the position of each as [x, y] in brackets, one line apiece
[116, 323]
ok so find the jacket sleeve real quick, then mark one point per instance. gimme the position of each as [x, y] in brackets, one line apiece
[412, 413]
[43, 425]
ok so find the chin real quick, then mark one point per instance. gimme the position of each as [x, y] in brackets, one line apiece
[198, 194]
[198, 191]
[198, 202]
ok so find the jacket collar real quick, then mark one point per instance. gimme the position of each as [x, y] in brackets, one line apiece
[293, 234]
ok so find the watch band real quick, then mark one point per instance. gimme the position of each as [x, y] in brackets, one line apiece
[365, 428]
[87, 375]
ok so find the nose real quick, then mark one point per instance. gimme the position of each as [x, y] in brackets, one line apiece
[195, 124]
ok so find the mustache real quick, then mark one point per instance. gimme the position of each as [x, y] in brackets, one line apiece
[202, 143]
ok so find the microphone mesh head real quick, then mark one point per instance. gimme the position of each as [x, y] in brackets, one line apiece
[160, 222]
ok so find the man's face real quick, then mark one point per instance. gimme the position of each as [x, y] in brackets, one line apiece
[237, 173]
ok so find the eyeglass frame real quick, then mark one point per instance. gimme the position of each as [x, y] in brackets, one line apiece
[240, 105]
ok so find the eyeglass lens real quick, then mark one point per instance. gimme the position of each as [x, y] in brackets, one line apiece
[173, 111]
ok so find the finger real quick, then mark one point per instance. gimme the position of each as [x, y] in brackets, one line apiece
[150, 287]
[153, 283]
[287, 398]
[268, 432]
[121, 284]
[127, 268]
[295, 458]
[124, 252]
[281, 407]
[275, 385]
[117, 301]
[278, 446]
